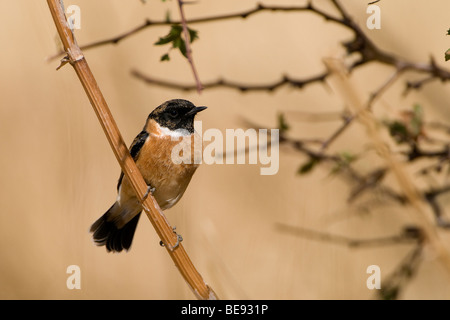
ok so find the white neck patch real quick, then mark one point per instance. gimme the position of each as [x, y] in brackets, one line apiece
[173, 133]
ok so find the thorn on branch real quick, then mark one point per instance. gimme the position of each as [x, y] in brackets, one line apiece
[64, 61]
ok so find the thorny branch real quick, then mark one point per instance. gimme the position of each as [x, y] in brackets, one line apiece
[360, 44]
[187, 41]
[373, 180]
[298, 83]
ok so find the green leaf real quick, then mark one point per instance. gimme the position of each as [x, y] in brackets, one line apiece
[308, 166]
[398, 131]
[409, 128]
[165, 57]
[448, 32]
[418, 110]
[180, 44]
[193, 34]
[346, 159]
[417, 120]
[164, 40]
[175, 38]
[174, 34]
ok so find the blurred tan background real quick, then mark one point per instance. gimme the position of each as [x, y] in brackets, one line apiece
[59, 174]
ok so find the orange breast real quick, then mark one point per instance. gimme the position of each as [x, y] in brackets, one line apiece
[155, 162]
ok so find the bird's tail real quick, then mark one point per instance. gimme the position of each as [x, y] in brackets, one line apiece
[106, 233]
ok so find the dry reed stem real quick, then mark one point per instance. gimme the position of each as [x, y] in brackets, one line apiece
[342, 83]
[76, 58]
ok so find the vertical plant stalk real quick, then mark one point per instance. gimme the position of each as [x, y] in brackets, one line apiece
[346, 89]
[187, 41]
[76, 58]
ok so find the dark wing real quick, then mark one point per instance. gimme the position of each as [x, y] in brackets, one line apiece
[136, 146]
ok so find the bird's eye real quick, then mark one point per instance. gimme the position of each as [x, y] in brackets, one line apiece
[173, 113]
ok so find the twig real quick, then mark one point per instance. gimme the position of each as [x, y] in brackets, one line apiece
[151, 208]
[394, 284]
[402, 238]
[347, 121]
[416, 153]
[415, 85]
[431, 197]
[370, 181]
[187, 41]
[389, 82]
[315, 116]
[438, 126]
[286, 80]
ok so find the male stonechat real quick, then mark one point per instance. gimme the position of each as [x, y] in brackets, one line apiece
[166, 126]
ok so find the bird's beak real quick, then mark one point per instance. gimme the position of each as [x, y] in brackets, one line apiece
[195, 111]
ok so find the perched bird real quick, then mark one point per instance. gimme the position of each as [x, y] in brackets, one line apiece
[169, 125]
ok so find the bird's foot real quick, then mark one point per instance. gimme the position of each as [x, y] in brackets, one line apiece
[179, 239]
[151, 190]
